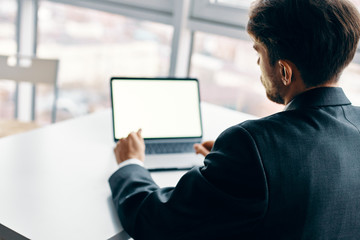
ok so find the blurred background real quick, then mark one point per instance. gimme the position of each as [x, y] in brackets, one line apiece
[97, 39]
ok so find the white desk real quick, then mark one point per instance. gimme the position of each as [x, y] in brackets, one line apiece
[53, 180]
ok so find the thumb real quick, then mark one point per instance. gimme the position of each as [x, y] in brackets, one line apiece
[140, 137]
[139, 133]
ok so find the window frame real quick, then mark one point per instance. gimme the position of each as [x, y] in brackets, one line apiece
[205, 10]
[150, 11]
[158, 5]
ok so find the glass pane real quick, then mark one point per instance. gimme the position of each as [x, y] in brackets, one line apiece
[349, 81]
[8, 10]
[229, 75]
[93, 46]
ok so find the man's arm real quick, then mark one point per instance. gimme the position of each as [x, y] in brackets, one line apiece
[225, 198]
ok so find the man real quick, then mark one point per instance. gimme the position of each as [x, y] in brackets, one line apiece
[292, 175]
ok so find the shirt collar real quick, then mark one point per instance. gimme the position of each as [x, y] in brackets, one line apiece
[319, 97]
[287, 105]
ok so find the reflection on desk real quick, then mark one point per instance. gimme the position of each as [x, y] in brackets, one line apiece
[53, 180]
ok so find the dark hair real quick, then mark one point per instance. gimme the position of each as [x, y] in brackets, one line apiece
[319, 36]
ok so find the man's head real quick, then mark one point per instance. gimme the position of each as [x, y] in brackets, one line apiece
[318, 37]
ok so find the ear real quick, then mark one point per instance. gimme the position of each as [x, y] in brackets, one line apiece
[286, 71]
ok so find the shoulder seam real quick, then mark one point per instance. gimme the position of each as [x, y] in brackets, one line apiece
[347, 119]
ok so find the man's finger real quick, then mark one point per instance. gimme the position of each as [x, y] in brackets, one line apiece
[200, 149]
[208, 145]
[139, 133]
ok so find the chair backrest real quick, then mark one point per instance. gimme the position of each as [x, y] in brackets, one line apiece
[33, 70]
[29, 69]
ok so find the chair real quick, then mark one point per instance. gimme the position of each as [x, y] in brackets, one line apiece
[33, 70]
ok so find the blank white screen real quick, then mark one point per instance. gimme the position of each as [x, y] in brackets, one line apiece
[161, 108]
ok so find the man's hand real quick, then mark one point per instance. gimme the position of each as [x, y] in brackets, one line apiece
[204, 148]
[131, 147]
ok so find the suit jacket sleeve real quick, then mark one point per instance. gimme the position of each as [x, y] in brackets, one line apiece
[225, 197]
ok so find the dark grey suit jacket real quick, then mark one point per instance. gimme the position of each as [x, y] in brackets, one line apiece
[292, 175]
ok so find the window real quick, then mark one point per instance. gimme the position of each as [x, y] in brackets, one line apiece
[227, 66]
[8, 10]
[101, 38]
[221, 12]
[93, 46]
[349, 80]
[229, 75]
[223, 58]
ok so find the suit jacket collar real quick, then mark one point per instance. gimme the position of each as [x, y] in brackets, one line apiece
[319, 97]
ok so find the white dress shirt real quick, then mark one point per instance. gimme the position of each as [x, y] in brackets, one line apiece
[131, 161]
